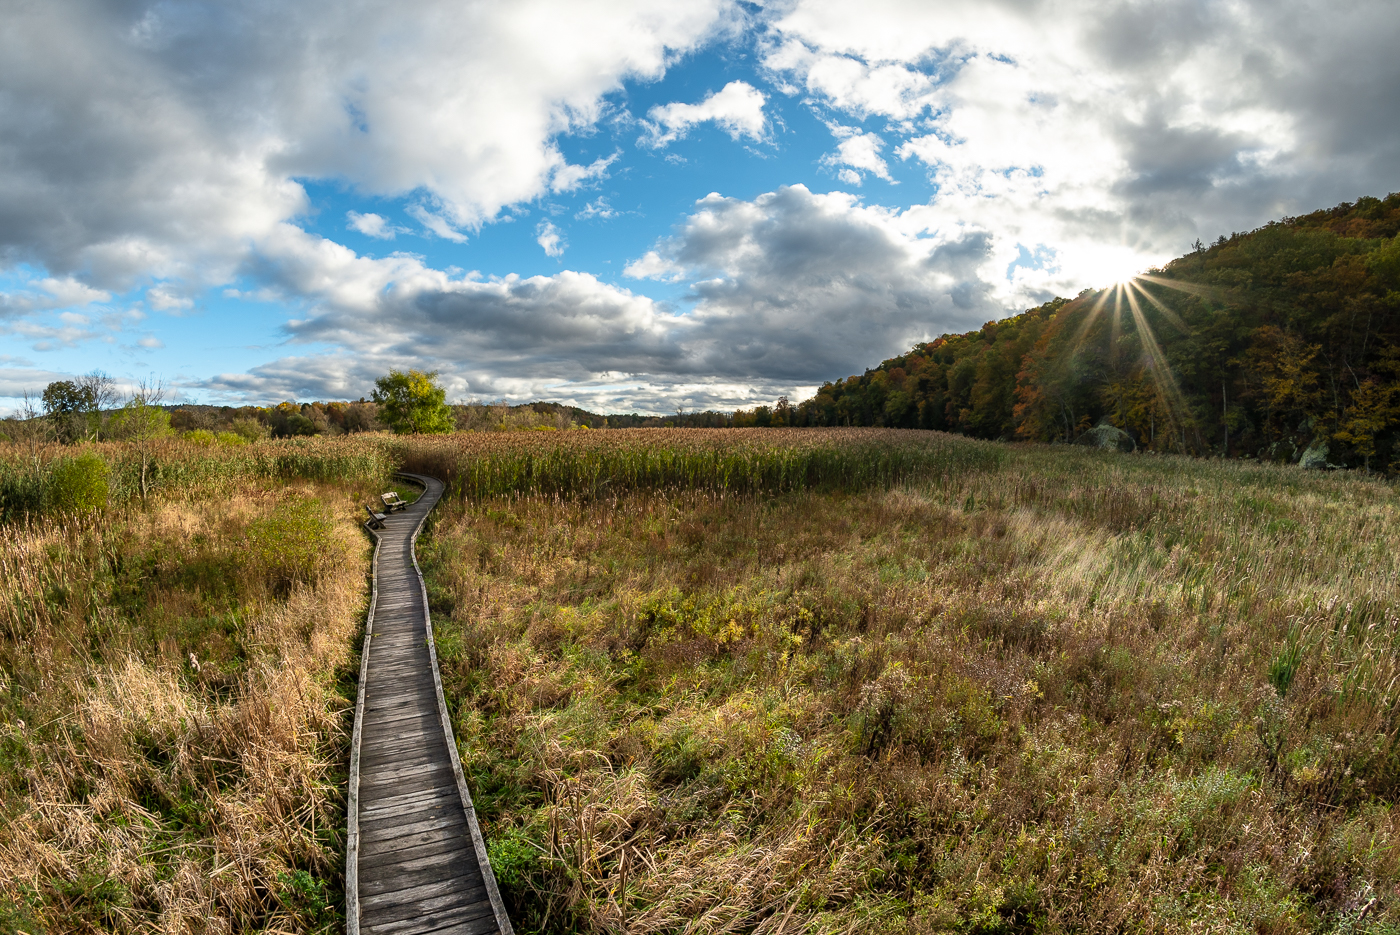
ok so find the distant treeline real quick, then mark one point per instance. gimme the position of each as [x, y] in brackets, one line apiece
[1263, 344]
[291, 419]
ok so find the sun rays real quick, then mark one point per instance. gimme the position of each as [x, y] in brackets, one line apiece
[1130, 299]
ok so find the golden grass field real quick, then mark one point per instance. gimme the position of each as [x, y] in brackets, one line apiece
[766, 681]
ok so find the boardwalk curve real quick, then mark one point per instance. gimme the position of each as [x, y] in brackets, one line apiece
[415, 860]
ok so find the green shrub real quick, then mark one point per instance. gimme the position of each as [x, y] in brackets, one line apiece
[514, 858]
[294, 544]
[304, 895]
[77, 485]
[250, 430]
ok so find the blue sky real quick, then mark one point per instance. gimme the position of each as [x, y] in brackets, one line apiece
[631, 207]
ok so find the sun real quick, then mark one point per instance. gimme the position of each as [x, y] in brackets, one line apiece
[1105, 265]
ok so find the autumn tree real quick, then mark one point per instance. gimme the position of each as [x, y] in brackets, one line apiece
[413, 403]
[1371, 412]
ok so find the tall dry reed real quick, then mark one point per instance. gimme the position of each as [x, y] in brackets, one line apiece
[172, 724]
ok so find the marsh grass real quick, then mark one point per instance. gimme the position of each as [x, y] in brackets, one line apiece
[43, 480]
[758, 681]
[1046, 690]
[176, 683]
[593, 464]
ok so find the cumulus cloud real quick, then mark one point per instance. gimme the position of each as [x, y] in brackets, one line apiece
[786, 290]
[857, 152]
[737, 108]
[373, 225]
[435, 223]
[550, 239]
[803, 287]
[1114, 133]
[652, 265]
[150, 140]
[50, 293]
[166, 298]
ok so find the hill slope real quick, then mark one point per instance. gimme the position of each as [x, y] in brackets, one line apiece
[1258, 345]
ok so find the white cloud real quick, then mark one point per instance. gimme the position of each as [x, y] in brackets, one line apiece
[789, 289]
[153, 141]
[571, 178]
[737, 108]
[1114, 133]
[653, 265]
[373, 225]
[167, 299]
[597, 208]
[50, 293]
[857, 152]
[435, 223]
[551, 239]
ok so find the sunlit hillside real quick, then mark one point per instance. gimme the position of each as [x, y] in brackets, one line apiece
[1262, 345]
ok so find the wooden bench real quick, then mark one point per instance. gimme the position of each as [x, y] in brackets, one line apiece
[376, 520]
[392, 501]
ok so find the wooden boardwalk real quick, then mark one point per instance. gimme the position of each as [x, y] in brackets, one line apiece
[415, 859]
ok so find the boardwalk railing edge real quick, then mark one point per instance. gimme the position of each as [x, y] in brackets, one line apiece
[352, 803]
[352, 904]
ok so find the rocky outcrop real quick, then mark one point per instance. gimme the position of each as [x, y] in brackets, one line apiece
[1314, 457]
[1108, 438]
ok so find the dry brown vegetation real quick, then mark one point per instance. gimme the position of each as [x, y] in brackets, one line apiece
[172, 701]
[1053, 690]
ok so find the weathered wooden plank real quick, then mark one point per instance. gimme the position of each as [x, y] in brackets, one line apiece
[426, 769]
[391, 834]
[465, 905]
[477, 926]
[405, 717]
[433, 806]
[407, 855]
[375, 788]
[419, 892]
[451, 922]
[386, 803]
[397, 731]
[394, 719]
[403, 731]
[420, 809]
[391, 764]
[392, 723]
[396, 768]
[456, 861]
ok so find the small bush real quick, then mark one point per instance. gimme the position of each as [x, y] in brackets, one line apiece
[250, 430]
[77, 485]
[294, 544]
[304, 895]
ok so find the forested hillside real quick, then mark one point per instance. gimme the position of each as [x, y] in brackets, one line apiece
[1260, 345]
